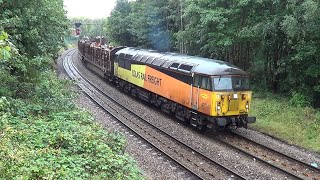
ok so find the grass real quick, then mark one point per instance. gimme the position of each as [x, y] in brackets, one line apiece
[295, 125]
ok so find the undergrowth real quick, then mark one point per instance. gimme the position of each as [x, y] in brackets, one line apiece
[43, 136]
[277, 116]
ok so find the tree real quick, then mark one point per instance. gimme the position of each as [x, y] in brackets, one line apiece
[38, 26]
[119, 22]
[276, 41]
[143, 24]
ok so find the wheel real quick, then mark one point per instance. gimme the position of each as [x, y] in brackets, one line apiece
[202, 128]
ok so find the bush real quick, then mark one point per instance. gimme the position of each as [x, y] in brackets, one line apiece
[300, 100]
[45, 136]
[63, 145]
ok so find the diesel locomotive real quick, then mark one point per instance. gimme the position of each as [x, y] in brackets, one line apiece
[204, 92]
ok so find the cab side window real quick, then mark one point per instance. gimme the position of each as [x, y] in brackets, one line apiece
[202, 81]
[197, 81]
[121, 60]
[205, 83]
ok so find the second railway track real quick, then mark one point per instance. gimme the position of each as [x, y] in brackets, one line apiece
[278, 160]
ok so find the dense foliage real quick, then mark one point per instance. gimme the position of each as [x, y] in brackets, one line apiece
[47, 138]
[42, 134]
[278, 42]
[37, 27]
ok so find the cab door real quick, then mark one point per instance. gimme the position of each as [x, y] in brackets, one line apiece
[201, 94]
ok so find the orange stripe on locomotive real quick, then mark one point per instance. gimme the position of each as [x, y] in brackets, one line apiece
[166, 86]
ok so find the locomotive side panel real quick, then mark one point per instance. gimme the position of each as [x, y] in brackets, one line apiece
[157, 82]
[167, 86]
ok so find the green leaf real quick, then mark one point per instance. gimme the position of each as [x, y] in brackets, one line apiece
[7, 48]
[6, 54]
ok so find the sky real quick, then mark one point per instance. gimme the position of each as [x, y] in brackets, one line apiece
[92, 9]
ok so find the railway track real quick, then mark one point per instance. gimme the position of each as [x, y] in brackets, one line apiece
[196, 163]
[291, 166]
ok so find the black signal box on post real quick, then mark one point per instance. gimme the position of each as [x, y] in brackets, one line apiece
[77, 24]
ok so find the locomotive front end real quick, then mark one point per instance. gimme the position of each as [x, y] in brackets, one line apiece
[231, 101]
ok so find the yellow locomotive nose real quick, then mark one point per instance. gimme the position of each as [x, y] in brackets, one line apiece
[230, 103]
[231, 108]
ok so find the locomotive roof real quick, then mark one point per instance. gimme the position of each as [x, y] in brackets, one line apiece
[181, 62]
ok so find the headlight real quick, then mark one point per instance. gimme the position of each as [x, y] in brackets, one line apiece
[247, 106]
[218, 106]
[235, 96]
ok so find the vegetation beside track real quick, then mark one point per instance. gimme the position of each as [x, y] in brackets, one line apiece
[45, 136]
[279, 117]
[42, 134]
